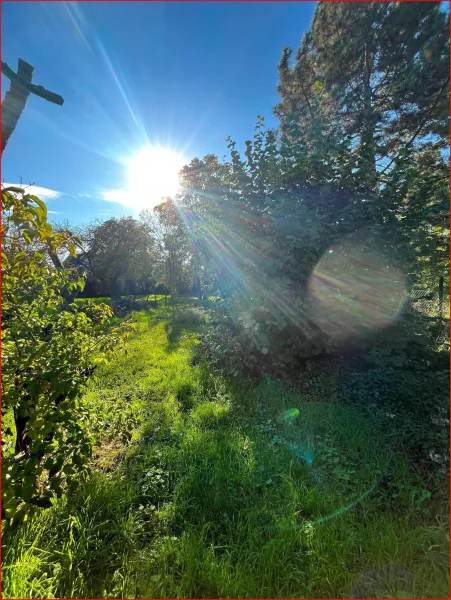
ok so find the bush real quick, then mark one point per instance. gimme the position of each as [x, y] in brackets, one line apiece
[394, 371]
[415, 400]
[50, 347]
[256, 342]
[124, 306]
[190, 316]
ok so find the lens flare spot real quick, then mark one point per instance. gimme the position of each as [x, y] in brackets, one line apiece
[303, 450]
[289, 415]
[354, 289]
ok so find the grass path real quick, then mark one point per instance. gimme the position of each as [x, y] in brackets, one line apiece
[202, 487]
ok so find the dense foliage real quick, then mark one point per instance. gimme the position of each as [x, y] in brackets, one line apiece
[50, 346]
[319, 231]
[115, 252]
[389, 88]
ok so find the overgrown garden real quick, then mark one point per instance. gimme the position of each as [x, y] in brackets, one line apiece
[236, 394]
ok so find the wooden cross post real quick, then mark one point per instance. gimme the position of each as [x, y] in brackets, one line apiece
[16, 98]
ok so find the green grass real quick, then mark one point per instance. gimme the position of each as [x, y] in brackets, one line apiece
[107, 299]
[205, 487]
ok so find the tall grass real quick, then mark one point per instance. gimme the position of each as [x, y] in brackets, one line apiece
[203, 487]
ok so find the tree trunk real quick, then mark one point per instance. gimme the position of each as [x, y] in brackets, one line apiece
[367, 143]
[23, 442]
[199, 288]
[115, 292]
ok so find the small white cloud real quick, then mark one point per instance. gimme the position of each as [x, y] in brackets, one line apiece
[132, 199]
[53, 212]
[123, 197]
[42, 192]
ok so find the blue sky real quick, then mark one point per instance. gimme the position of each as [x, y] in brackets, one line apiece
[178, 75]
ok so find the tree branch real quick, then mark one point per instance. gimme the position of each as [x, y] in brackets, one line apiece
[418, 131]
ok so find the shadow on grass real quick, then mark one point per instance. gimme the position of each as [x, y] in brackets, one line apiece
[177, 330]
[214, 499]
[206, 504]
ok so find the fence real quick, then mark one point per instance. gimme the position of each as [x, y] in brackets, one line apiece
[435, 306]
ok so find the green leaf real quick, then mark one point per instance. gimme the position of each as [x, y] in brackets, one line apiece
[40, 203]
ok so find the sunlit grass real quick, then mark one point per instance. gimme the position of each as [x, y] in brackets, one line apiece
[202, 487]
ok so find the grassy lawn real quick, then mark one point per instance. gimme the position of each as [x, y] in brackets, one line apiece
[205, 487]
[107, 299]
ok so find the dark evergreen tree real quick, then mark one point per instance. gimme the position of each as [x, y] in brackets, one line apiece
[384, 68]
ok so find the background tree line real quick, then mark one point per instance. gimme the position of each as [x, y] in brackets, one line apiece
[150, 255]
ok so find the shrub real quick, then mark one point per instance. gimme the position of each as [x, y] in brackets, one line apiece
[395, 371]
[415, 400]
[124, 306]
[190, 316]
[260, 341]
[50, 347]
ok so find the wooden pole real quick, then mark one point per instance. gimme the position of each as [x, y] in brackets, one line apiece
[16, 98]
[14, 102]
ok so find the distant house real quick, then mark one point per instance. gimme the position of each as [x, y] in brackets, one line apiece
[81, 261]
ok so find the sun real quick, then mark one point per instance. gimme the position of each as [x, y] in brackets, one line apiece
[154, 175]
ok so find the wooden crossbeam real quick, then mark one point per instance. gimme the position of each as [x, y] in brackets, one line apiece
[15, 99]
